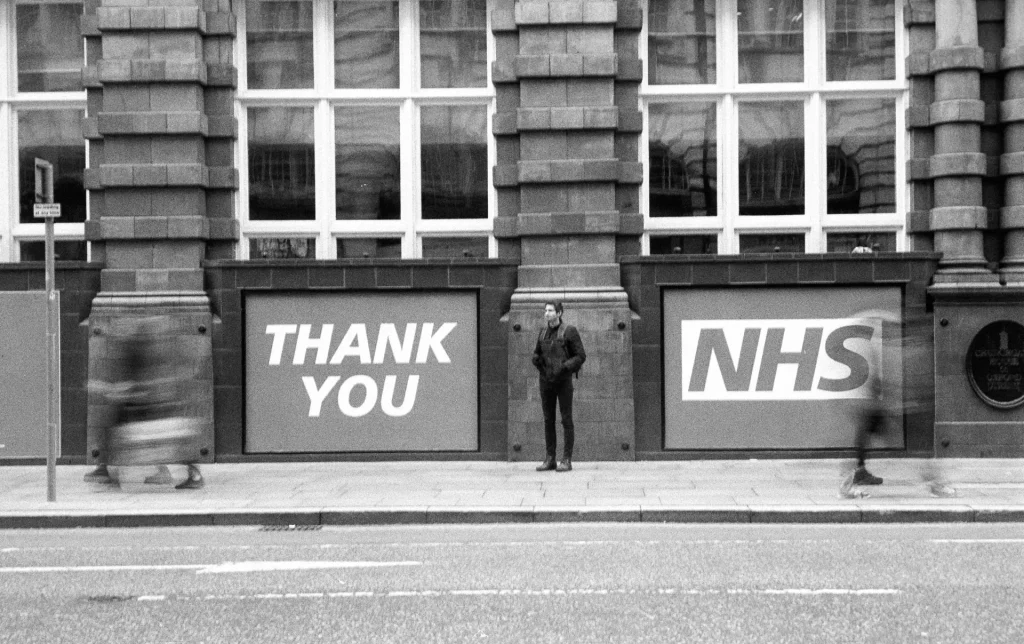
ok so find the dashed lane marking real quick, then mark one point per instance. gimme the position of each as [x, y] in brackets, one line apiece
[523, 592]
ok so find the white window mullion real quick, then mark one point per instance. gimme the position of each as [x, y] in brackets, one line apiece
[815, 181]
[8, 174]
[410, 163]
[323, 46]
[323, 150]
[242, 198]
[902, 187]
[728, 183]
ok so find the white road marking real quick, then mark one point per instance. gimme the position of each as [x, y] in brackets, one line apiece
[226, 567]
[269, 566]
[977, 540]
[541, 592]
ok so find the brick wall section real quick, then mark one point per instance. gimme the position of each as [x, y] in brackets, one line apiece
[227, 282]
[77, 284]
[646, 277]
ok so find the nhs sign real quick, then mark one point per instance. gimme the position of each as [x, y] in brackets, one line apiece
[797, 359]
[779, 368]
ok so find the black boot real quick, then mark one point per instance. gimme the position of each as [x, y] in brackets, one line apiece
[548, 464]
[565, 465]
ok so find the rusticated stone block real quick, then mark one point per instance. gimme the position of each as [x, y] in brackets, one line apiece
[600, 12]
[958, 164]
[532, 66]
[959, 218]
[143, 18]
[113, 18]
[957, 111]
[952, 58]
[532, 12]
[600, 64]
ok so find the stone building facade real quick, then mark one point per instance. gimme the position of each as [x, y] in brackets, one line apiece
[657, 165]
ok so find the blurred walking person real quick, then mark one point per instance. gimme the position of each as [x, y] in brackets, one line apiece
[873, 413]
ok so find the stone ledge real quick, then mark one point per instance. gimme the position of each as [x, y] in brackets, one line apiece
[1011, 218]
[1011, 164]
[167, 18]
[130, 123]
[565, 66]
[153, 175]
[1011, 58]
[150, 227]
[589, 12]
[1011, 111]
[578, 223]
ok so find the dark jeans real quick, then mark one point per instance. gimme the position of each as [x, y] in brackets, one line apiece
[560, 392]
[872, 423]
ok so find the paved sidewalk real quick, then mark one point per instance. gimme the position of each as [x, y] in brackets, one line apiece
[476, 492]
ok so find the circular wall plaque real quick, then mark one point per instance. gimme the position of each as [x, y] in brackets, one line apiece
[995, 364]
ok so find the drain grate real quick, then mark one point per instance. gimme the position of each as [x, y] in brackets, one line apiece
[291, 528]
[109, 599]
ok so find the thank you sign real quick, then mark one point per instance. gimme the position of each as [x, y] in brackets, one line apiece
[358, 372]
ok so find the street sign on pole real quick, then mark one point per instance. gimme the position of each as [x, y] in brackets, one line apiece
[44, 204]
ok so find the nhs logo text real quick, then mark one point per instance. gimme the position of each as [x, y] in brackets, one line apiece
[819, 359]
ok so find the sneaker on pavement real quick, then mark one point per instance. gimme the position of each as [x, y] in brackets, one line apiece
[162, 477]
[861, 476]
[99, 475]
[941, 490]
[848, 490]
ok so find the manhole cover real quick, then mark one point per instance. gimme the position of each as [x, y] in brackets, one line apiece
[290, 528]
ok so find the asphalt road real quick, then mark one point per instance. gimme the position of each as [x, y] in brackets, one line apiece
[516, 583]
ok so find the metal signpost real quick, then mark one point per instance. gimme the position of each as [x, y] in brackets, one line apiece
[44, 208]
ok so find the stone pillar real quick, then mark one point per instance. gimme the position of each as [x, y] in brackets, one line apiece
[560, 155]
[159, 79]
[958, 216]
[1012, 161]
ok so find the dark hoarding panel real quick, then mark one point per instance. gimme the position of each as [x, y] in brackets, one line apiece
[783, 368]
[23, 429]
[361, 372]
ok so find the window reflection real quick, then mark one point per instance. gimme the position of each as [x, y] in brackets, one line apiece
[454, 247]
[365, 44]
[860, 40]
[367, 162]
[281, 166]
[861, 172]
[861, 242]
[453, 43]
[282, 248]
[771, 41]
[771, 158]
[772, 243]
[369, 248]
[454, 162]
[681, 42]
[63, 251]
[50, 47]
[279, 43]
[684, 244]
[683, 160]
[55, 136]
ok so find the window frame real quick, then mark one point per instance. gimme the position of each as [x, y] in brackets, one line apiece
[12, 103]
[323, 98]
[814, 91]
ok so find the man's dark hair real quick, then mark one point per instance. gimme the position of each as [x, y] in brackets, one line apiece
[557, 305]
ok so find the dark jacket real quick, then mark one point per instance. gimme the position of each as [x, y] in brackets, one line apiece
[559, 353]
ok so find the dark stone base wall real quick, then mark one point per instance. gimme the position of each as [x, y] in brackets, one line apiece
[78, 284]
[227, 283]
[646, 277]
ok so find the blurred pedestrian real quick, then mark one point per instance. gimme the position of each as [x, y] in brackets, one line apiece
[558, 356]
[149, 425]
[875, 411]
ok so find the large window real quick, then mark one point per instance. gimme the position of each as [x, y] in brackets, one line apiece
[366, 129]
[774, 126]
[42, 104]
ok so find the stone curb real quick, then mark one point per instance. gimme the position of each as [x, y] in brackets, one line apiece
[449, 515]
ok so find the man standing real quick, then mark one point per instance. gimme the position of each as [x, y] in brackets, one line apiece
[559, 354]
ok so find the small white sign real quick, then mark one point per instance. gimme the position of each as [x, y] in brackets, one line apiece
[45, 210]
